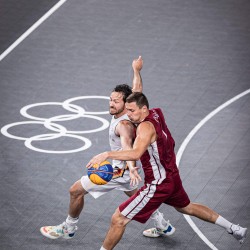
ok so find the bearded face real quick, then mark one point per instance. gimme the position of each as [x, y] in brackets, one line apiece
[116, 103]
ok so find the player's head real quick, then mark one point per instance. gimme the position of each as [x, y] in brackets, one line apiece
[137, 107]
[118, 98]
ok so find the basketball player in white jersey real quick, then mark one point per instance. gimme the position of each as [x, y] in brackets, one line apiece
[121, 136]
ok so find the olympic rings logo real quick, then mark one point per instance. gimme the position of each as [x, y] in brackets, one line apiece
[59, 130]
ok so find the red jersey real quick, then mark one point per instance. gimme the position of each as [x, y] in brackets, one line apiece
[159, 158]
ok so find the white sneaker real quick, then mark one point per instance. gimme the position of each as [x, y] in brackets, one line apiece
[239, 233]
[157, 232]
[55, 232]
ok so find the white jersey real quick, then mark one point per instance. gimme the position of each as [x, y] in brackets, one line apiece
[115, 141]
[121, 178]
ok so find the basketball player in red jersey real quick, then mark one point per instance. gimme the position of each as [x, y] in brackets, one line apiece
[154, 146]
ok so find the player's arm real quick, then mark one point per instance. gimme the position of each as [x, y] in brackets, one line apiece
[145, 136]
[126, 130]
[137, 80]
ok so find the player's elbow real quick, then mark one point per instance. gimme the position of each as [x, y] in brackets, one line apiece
[137, 89]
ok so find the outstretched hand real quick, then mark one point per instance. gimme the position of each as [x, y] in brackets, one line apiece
[137, 64]
[98, 159]
[134, 176]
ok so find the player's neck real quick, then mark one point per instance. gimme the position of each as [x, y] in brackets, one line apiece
[144, 115]
[116, 116]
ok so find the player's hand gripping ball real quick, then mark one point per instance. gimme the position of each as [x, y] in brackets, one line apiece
[101, 174]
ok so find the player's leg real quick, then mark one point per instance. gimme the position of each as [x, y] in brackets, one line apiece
[116, 230]
[139, 207]
[77, 192]
[205, 213]
[76, 204]
[200, 211]
[162, 227]
[69, 226]
[131, 192]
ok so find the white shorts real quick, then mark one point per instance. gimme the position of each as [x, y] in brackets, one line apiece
[119, 183]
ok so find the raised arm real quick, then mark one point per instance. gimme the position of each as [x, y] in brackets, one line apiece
[137, 80]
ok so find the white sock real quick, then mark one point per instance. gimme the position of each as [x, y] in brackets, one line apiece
[102, 248]
[71, 223]
[222, 222]
[160, 222]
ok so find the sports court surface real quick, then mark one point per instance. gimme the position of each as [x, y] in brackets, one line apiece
[196, 68]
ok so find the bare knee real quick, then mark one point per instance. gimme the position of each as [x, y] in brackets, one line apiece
[131, 193]
[76, 190]
[118, 219]
[185, 210]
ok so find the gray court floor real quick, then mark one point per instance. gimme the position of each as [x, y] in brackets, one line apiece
[196, 58]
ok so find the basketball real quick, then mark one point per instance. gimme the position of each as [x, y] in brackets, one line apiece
[102, 174]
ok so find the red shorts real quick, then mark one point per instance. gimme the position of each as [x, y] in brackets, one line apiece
[141, 205]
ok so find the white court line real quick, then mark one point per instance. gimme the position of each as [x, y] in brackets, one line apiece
[31, 29]
[184, 145]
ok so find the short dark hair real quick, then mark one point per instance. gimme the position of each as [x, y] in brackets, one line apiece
[125, 89]
[139, 98]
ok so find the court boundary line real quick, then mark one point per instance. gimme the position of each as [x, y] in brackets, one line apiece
[31, 29]
[186, 140]
[183, 147]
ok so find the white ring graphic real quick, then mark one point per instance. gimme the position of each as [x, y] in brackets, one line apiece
[105, 125]
[5, 132]
[41, 137]
[67, 102]
[183, 147]
[24, 113]
[60, 131]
